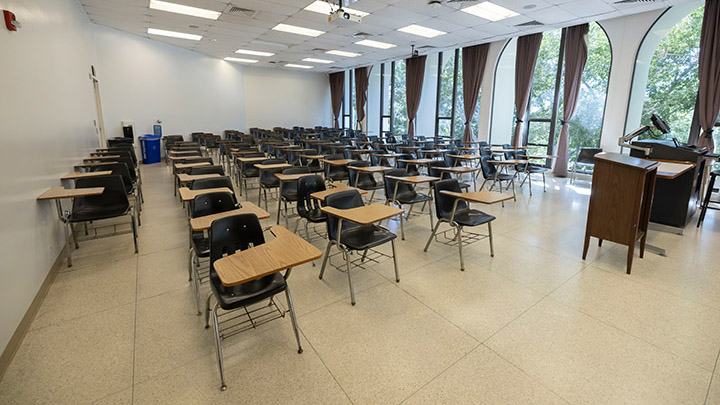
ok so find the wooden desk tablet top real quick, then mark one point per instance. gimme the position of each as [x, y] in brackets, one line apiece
[93, 164]
[188, 178]
[468, 148]
[285, 251]
[96, 158]
[457, 169]
[312, 156]
[509, 162]
[466, 157]
[407, 147]
[188, 195]
[273, 166]
[82, 175]
[416, 161]
[320, 195]
[60, 192]
[251, 159]
[292, 177]
[360, 151]
[433, 151]
[242, 152]
[538, 156]
[484, 197]
[671, 170]
[183, 152]
[373, 169]
[204, 222]
[338, 162]
[386, 155]
[181, 158]
[505, 150]
[413, 179]
[191, 165]
[365, 215]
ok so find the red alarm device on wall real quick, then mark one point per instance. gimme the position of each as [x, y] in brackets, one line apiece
[10, 22]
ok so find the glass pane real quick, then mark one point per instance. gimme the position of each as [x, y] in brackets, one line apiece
[673, 77]
[459, 128]
[586, 124]
[543, 88]
[538, 133]
[387, 88]
[385, 124]
[446, 84]
[400, 120]
[346, 121]
[353, 111]
[443, 127]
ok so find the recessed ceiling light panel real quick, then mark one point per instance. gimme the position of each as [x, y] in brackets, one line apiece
[315, 60]
[293, 29]
[241, 60]
[292, 65]
[256, 53]
[182, 9]
[174, 34]
[489, 11]
[343, 53]
[422, 31]
[375, 44]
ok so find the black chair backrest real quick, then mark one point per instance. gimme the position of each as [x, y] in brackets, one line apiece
[292, 185]
[402, 188]
[207, 170]
[364, 177]
[267, 177]
[113, 194]
[211, 203]
[488, 169]
[485, 151]
[307, 185]
[444, 203]
[119, 169]
[234, 233]
[433, 169]
[403, 165]
[125, 148]
[212, 182]
[128, 161]
[343, 200]
[587, 155]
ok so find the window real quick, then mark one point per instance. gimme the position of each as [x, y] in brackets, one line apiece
[672, 82]
[399, 112]
[386, 93]
[451, 108]
[348, 105]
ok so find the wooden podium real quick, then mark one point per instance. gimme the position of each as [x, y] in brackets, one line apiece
[620, 202]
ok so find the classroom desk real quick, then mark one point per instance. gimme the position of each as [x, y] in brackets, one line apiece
[262, 167]
[183, 166]
[92, 164]
[468, 148]
[239, 173]
[414, 180]
[203, 223]
[365, 215]
[184, 178]
[184, 157]
[60, 193]
[338, 162]
[284, 252]
[101, 158]
[370, 169]
[336, 188]
[314, 157]
[287, 177]
[460, 170]
[188, 195]
[83, 175]
[183, 152]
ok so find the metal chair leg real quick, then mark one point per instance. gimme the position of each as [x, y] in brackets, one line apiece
[196, 281]
[293, 318]
[432, 234]
[68, 247]
[325, 259]
[190, 264]
[134, 231]
[347, 268]
[218, 343]
[492, 251]
[459, 237]
[397, 275]
[207, 311]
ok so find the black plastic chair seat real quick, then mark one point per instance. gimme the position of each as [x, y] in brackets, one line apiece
[365, 237]
[504, 177]
[315, 215]
[200, 244]
[411, 197]
[537, 169]
[247, 293]
[251, 172]
[290, 194]
[94, 213]
[370, 186]
[462, 184]
[472, 218]
[270, 182]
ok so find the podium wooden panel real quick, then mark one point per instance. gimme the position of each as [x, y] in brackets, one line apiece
[620, 201]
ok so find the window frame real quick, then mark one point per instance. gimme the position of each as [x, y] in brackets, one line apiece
[438, 118]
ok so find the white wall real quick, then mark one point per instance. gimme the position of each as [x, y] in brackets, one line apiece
[425, 124]
[143, 80]
[285, 98]
[47, 111]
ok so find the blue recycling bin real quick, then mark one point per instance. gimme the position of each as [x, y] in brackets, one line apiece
[150, 146]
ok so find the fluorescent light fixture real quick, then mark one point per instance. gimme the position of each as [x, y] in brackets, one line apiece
[298, 30]
[292, 65]
[256, 53]
[241, 60]
[323, 7]
[343, 53]
[181, 9]
[422, 31]
[315, 60]
[375, 44]
[174, 34]
[489, 11]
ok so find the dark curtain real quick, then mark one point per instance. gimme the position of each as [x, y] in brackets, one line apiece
[337, 87]
[415, 73]
[576, 52]
[361, 88]
[709, 73]
[473, 59]
[528, 47]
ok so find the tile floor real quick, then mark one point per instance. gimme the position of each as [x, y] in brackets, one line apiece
[534, 324]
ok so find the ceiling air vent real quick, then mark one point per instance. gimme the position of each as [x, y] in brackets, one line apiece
[242, 11]
[533, 23]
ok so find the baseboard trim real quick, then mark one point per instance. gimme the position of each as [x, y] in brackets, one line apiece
[17, 338]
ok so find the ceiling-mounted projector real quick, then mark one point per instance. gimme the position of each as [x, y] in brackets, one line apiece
[343, 15]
